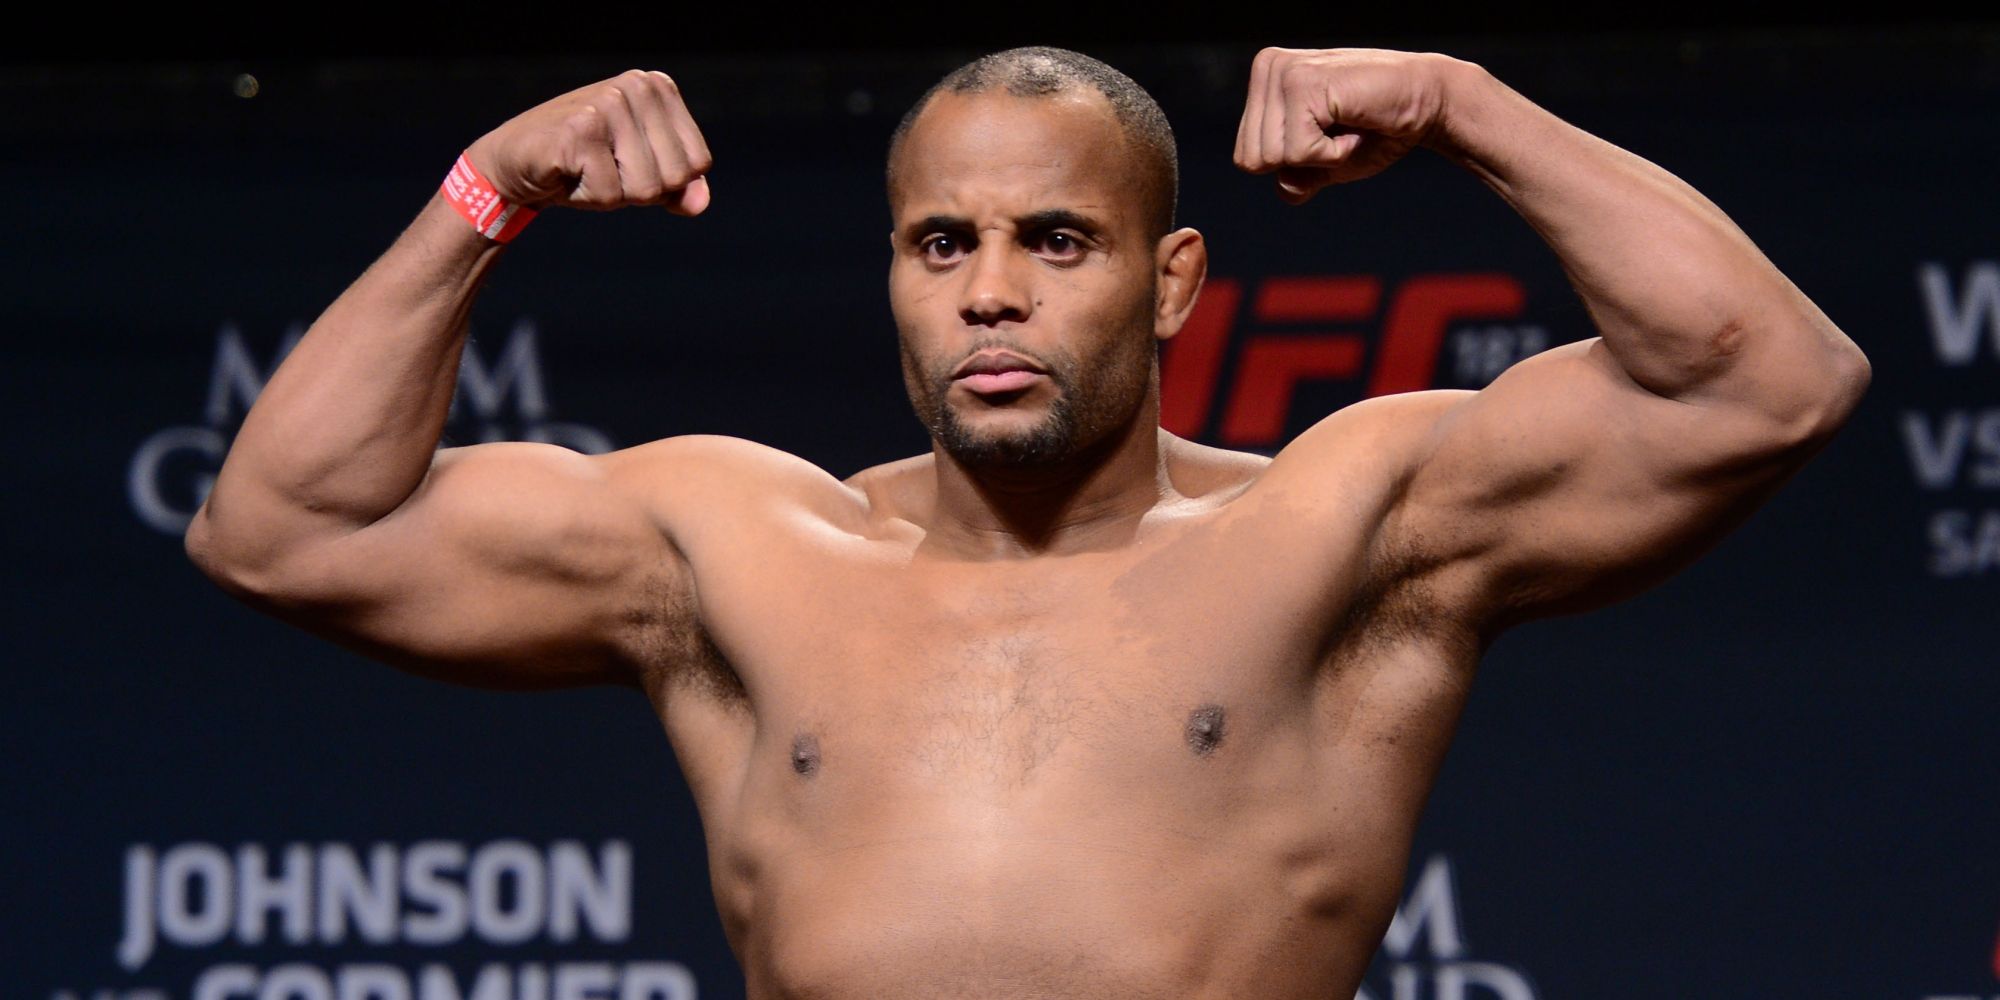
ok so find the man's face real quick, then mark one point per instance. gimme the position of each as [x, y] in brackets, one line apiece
[1022, 281]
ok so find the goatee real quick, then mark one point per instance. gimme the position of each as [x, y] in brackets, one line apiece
[1050, 442]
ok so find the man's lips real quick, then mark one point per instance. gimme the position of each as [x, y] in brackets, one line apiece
[997, 371]
[993, 361]
[999, 381]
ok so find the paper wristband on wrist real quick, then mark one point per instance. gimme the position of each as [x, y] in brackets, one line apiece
[472, 196]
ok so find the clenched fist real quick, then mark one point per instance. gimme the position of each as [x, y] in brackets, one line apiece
[1336, 115]
[624, 141]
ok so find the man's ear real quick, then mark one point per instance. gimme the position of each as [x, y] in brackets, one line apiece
[1181, 262]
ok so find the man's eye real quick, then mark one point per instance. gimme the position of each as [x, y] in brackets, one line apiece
[941, 246]
[1062, 244]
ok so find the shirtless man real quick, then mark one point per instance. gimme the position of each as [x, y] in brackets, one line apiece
[1069, 706]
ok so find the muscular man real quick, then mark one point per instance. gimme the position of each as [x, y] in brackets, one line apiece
[1069, 706]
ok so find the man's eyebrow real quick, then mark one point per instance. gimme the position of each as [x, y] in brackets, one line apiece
[935, 224]
[1051, 218]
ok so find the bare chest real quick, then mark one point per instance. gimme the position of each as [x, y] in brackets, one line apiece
[1005, 679]
[999, 671]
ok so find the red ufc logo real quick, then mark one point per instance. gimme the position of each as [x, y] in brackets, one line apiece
[1269, 365]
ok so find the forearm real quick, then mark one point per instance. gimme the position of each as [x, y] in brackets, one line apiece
[345, 429]
[1686, 303]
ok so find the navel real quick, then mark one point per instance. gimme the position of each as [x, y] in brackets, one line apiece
[1205, 729]
[805, 754]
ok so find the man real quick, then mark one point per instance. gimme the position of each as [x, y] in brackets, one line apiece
[1069, 706]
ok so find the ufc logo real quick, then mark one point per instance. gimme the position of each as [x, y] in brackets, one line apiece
[1270, 363]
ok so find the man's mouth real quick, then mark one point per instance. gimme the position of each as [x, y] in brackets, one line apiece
[996, 370]
[999, 381]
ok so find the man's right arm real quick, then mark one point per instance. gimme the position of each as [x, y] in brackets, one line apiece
[508, 564]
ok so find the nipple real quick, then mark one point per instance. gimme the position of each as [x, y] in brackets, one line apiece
[1204, 730]
[805, 754]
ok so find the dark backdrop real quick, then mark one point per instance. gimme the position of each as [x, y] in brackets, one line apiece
[1774, 775]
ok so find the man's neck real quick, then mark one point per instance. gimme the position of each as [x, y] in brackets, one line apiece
[1094, 501]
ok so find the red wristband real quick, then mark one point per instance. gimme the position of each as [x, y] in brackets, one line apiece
[473, 197]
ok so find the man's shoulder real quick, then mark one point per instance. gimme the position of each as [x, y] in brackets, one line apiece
[714, 474]
[1363, 452]
[1381, 430]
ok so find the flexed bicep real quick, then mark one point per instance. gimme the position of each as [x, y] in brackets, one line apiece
[513, 565]
[1593, 470]
[1564, 485]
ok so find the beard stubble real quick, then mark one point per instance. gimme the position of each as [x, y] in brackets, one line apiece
[1088, 403]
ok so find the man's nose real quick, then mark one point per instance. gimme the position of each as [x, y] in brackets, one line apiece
[996, 287]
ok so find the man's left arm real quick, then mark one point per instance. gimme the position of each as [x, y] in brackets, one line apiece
[1590, 471]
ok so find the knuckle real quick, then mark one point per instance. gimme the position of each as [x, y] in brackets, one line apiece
[646, 86]
[649, 85]
[665, 81]
[588, 123]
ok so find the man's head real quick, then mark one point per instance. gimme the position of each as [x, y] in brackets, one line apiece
[1032, 194]
[1039, 71]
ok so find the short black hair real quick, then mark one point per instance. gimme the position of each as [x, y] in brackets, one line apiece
[1041, 71]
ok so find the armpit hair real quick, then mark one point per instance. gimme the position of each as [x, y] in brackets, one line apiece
[1400, 604]
[679, 656]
